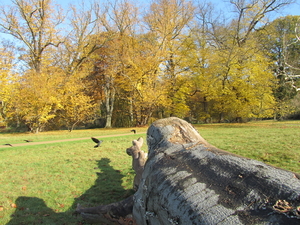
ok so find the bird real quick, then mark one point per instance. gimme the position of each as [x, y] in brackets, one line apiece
[8, 145]
[134, 131]
[96, 141]
[28, 140]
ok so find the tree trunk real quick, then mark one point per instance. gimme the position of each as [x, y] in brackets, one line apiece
[109, 103]
[188, 181]
[131, 112]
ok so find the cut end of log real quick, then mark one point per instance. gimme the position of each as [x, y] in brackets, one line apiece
[173, 131]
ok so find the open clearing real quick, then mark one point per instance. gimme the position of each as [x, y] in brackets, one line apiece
[43, 181]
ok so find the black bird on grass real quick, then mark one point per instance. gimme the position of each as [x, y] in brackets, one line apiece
[28, 140]
[134, 131]
[8, 145]
[98, 142]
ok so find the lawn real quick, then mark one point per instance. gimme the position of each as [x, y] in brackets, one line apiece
[275, 143]
[42, 184]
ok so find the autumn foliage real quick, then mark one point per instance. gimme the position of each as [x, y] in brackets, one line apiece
[114, 63]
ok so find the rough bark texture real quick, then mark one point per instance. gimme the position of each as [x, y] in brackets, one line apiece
[188, 181]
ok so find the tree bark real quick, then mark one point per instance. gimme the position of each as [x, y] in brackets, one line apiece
[110, 92]
[188, 181]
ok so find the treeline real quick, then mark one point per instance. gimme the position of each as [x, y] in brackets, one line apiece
[114, 63]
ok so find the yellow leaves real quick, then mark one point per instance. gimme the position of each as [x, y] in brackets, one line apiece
[41, 95]
[235, 81]
[6, 77]
[139, 86]
[168, 17]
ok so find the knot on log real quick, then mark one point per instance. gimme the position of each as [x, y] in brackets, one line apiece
[188, 181]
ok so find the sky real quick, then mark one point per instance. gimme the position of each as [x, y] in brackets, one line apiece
[222, 5]
[293, 9]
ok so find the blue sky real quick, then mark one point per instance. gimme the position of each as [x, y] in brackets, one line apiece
[223, 5]
[293, 9]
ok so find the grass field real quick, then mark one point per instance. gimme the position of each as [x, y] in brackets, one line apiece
[42, 184]
[275, 143]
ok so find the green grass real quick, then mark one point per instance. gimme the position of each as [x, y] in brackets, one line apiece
[42, 184]
[275, 143]
[46, 182]
[17, 138]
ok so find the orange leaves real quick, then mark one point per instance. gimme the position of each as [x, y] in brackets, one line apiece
[12, 205]
[61, 205]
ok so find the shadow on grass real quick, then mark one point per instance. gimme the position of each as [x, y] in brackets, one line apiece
[107, 189]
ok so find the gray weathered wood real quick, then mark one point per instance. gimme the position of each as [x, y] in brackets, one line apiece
[138, 160]
[188, 181]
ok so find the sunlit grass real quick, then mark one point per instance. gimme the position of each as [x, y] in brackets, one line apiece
[42, 184]
[275, 143]
[18, 138]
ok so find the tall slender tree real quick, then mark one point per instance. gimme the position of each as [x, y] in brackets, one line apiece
[168, 20]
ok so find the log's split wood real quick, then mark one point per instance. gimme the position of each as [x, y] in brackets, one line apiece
[188, 181]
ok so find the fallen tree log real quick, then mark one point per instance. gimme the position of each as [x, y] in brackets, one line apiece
[188, 181]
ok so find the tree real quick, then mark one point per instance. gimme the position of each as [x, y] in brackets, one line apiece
[75, 57]
[282, 45]
[168, 20]
[37, 99]
[7, 80]
[235, 59]
[77, 106]
[200, 61]
[34, 24]
[111, 63]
